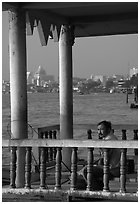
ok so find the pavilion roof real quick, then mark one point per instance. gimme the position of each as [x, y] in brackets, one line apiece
[88, 18]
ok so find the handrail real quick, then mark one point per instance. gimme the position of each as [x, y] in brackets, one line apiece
[70, 143]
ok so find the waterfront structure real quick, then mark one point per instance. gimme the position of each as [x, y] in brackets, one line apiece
[63, 21]
[121, 82]
[133, 71]
[117, 77]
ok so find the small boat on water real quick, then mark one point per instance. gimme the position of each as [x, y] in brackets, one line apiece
[112, 91]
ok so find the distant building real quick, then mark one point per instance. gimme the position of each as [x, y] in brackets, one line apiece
[102, 78]
[40, 73]
[117, 77]
[5, 86]
[41, 77]
[133, 71]
[38, 81]
[29, 78]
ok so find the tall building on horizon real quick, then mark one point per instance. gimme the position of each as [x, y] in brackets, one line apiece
[40, 73]
[29, 77]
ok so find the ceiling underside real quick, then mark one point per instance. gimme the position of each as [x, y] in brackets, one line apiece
[88, 18]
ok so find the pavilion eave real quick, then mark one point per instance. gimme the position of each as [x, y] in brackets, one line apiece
[89, 19]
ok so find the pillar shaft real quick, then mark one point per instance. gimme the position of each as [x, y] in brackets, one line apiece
[17, 55]
[66, 93]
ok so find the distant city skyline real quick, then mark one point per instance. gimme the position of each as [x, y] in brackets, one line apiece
[41, 71]
[91, 56]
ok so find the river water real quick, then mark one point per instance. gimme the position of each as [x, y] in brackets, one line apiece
[43, 110]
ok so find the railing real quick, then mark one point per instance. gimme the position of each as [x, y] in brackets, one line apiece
[43, 144]
[50, 153]
[52, 132]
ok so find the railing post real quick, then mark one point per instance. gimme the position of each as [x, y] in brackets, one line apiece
[54, 149]
[127, 96]
[90, 169]
[41, 135]
[46, 135]
[43, 168]
[47, 156]
[58, 169]
[50, 148]
[54, 134]
[13, 167]
[135, 138]
[74, 168]
[106, 170]
[89, 132]
[123, 171]
[123, 165]
[124, 135]
[28, 160]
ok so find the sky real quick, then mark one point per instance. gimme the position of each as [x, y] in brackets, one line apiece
[91, 56]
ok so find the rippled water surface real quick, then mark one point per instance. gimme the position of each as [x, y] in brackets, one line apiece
[43, 109]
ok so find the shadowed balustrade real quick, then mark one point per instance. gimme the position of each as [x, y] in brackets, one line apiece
[135, 138]
[13, 167]
[58, 169]
[90, 159]
[74, 162]
[50, 152]
[28, 167]
[48, 141]
[73, 168]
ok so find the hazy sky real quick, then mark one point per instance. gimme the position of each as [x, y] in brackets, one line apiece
[95, 55]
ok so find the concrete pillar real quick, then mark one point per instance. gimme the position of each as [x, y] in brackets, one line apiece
[18, 85]
[66, 93]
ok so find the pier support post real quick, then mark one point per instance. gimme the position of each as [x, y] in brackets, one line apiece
[66, 94]
[17, 55]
